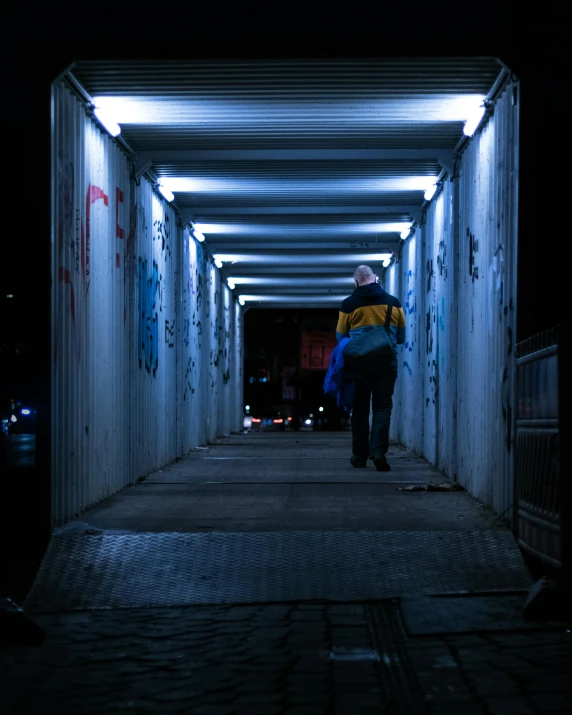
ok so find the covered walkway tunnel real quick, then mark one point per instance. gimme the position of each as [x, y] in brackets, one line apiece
[185, 193]
[191, 564]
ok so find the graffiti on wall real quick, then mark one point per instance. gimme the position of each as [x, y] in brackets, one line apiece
[433, 382]
[162, 234]
[188, 375]
[410, 316]
[441, 256]
[429, 274]
[74, 235]
[473, 248]
[170, 333]
[148, 327]
[429, 320]
[409, 311]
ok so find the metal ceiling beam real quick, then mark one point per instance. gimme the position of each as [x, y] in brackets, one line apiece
[168, 156]
[308, 289]
[284, 271]
[316, 247]
[271, 255]
[201, 213]
[308, 303]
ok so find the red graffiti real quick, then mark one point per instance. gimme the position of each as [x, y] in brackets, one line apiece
[94, 193]
[82, 267]
[117, 260]
[64, 276]
[119, 232]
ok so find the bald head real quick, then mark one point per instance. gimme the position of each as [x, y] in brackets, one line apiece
[364, 275]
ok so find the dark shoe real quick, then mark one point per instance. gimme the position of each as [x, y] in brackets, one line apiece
[356, 461]
[380, 462]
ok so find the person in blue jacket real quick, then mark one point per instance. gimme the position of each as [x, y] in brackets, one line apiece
[339, 382]
[368, 306]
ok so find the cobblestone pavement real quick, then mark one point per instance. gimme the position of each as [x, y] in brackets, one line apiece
[299, 659]
[495, 673]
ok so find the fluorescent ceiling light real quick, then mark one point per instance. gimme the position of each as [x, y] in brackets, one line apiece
[305, 260]
[198, 235]
[218, 263]
[294, 281]
[473, 121]
[231, 284]
[430, 192]
[167, 193]
[386, 262]
[255, 229]
[191, 112]
[241, 300]
[106, 118]
[405, 232]
[309, 298]
[238, 184]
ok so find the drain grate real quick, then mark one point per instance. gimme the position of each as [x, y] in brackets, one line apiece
[174, 569]
[399, 682]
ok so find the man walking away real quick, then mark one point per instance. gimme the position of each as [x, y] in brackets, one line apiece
[367, 306]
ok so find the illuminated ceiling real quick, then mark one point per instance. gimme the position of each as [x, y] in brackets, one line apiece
[295, 171]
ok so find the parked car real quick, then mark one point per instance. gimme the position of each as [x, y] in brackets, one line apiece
[22, 419]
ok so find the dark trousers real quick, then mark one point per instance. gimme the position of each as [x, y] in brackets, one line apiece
[376, 388]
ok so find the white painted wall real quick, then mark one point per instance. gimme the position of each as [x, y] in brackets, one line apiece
[457, 277]
[143, 329]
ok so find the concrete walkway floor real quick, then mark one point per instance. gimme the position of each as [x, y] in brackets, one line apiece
[286, 481]
[276, 512]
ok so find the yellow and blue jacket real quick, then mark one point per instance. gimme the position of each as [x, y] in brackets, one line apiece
[368, 306]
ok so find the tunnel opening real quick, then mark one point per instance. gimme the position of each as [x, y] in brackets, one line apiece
[250, 193]
[286, 357]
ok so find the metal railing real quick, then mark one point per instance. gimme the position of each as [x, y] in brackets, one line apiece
[537, 481]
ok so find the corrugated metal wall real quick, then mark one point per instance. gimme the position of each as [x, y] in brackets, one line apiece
[407, 425]
[141, 319]
[90, 454]
[153, 367]
[191, 395]
[457, 277]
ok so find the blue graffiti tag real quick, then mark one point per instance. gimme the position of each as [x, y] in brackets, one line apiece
[410, 303]
[148, 319]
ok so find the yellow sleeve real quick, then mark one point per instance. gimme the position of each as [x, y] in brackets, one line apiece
[343, 326]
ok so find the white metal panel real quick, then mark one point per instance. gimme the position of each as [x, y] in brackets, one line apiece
[446, 274]
[237, 348]
[439, 378]
[392, 283]
[407, 424]
[487, 296]
[459, 285]
[190, 349]
[90, 349]
[211, 348]
[225, 399]
[154, 372]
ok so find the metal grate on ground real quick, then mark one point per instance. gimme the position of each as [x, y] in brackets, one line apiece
[174, 569]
